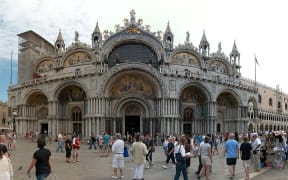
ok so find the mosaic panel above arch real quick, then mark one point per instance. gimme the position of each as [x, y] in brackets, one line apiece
[132, 83]
[193, 94]
[185, 58]
[77, 58]
[44, 66]
[218, 66]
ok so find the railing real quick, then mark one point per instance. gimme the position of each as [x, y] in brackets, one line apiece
[207, 77]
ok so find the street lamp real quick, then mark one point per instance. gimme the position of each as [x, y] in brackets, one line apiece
[15, 113]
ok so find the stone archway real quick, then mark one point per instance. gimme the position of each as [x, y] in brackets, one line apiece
[228, 104]
[71, 107]
[35, 113]
[194, 110]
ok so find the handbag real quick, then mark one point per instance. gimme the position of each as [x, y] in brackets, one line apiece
[178, 156]
[153, 149]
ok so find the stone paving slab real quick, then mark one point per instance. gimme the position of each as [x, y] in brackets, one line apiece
[94, 167]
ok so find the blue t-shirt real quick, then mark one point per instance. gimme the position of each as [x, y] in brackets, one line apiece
[106, 139]
[231, 147]
[200, 139]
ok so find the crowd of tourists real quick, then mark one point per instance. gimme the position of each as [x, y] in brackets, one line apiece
[250, 148]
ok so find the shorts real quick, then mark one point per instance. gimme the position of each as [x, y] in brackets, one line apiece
[105, 147]
[118, 161]
[206, 160]
[231, 161]
[75, 151]
[246, 163]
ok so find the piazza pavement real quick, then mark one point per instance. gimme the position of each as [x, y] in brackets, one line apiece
[94, 167]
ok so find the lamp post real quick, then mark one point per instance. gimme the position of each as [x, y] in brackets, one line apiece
[15, 113]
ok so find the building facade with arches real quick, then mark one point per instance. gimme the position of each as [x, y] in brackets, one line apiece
[134, 80]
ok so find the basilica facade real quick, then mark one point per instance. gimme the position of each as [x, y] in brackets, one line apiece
[135, 80]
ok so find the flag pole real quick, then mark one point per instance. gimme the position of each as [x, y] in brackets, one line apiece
[11, 68]
[255, 70]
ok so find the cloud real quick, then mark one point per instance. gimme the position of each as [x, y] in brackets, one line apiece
[256, 29]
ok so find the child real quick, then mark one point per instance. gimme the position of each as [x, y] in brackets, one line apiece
[68, 149]
[196, 149]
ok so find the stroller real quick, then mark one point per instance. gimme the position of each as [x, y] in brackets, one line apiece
[279, 160]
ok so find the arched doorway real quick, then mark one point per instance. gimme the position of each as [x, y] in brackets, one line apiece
[36, 113]
[194, 110]
[76, 117]
[228, 107]
[71, 109]
[132, 115]
[187, 121]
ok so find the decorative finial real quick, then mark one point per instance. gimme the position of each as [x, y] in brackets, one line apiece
[76, 36]
[187, 37]
[132, 17]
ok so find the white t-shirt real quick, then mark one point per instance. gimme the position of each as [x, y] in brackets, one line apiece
[5, 168]
[182, 150]
[118, 147]
[255, 143]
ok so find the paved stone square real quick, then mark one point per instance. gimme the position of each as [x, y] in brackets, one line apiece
[94, 167]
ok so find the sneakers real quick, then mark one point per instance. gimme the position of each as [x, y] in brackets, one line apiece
[115, 177]
[147, 167]
[164, 166]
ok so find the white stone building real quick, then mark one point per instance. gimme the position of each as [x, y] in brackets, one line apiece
[135, 80]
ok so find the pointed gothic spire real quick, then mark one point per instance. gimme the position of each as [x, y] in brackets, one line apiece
[59, 43]
[97, 29]
[96, 37]
[59, 37]
[168, 38]
[235, 55]
[168, 29]
[204, 46]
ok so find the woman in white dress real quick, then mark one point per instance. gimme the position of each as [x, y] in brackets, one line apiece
[6, 171]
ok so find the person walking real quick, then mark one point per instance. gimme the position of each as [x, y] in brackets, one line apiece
[6, 170]
[231, 149]
[106, 140]
[68, 148]
[170, 153]
[92, 142]
[256, 145]
[179, 151]
[118, 158]
[150, 147]
[41, 160]
[206, 157]
[76, 148]
[246, 154]
[139, 152]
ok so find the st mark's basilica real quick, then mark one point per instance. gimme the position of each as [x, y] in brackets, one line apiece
[136, 80]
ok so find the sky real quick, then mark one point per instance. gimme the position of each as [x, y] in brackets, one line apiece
[259, 27]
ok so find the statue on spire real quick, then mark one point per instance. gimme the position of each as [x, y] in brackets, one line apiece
[132, 17]
[187, 37]
[76, 36]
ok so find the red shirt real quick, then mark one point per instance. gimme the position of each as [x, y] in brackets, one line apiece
[76, 143]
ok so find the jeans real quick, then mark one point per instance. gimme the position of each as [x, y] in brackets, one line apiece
[60, 146]
[42, 176]
[181, 167]
[92, 144]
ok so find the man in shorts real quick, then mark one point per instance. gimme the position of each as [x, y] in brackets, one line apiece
[106, 139]
[246, 154]
[76, 147]
[231, 149]
[118, 159]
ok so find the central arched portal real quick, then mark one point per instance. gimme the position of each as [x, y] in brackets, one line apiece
[134, 115]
